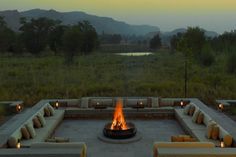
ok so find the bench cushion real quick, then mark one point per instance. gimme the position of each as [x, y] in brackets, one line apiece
[43, 133]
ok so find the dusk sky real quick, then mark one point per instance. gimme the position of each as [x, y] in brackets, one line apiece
[215, 15]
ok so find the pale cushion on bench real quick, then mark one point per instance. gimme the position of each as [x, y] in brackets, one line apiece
[186, 109]
[41, 119]
[30, 128]
[195, 115]
[215, 132]
[228, 140]
[206, 118]
[36, 122]
[51, 109]
[25, 133]
[44, 132]
[200, 118]
[12, 141]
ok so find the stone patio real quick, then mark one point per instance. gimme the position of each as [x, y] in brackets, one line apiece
[88, 130]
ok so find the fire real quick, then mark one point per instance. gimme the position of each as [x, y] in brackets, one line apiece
[119, 122]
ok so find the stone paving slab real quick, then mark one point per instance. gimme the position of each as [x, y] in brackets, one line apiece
[88, 130]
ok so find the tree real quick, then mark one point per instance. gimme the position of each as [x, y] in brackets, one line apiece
[2, 22]
[110, 38]
[155, 42]
[72, 42]
[231, 64]
[195, 40]
[7, 36]
[89, 37]
[55, 38]
[206, 55]
[225, 42]
[174, 41]
[35, 33]
[116, 39]
[183, 47]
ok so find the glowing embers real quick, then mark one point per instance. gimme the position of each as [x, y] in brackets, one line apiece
[119, 128]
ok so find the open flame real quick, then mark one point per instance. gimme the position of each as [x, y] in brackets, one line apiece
[119, 122]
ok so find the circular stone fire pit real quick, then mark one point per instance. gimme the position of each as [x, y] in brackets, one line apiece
[118, 133]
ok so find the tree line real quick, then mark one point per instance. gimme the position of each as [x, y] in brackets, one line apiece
[36, 35]
[193, 43]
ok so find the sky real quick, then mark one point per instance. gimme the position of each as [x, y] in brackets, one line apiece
[214, 15]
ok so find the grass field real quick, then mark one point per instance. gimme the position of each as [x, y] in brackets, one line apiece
[162, 74]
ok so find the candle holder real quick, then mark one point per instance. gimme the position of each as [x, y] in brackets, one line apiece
[221, 107]
[19, 108]
[18, 145]
[57, 105]
[181, 103]
[222, 144]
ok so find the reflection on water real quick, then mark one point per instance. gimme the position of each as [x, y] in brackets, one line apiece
[135, 54]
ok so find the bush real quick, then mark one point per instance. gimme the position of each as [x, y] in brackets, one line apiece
[207, 57]
[231, 64]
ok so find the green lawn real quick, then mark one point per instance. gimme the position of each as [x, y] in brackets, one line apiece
[33, 78]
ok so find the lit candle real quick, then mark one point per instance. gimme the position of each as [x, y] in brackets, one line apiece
[222, 144]
[18, 108]
[221, 107]
[57, 104]
[18, 145]
[181, 103]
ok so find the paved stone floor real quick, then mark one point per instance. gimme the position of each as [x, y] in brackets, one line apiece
[88, 130]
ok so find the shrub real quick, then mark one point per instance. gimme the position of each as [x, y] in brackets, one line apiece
[206, 56]
[231, 64]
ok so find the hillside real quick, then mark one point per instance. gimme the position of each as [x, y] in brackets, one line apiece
[102, 24]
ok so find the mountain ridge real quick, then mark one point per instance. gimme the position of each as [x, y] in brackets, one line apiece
[102, 24]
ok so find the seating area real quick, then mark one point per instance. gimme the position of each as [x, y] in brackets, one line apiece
[38, 127]
[203, 128]
[33, 128]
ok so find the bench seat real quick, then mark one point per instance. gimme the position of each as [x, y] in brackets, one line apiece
[43, 133]
[196, 152]
[195, 130]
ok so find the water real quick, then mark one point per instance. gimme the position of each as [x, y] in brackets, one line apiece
[135, 54]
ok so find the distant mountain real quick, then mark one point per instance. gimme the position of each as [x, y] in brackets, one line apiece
[183, 30]
[102, 24]
[166, 36]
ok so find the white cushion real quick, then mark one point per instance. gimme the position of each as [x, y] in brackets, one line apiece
[195, 115]
[209, 129]
[31, 130]
[186, 109]
[51, 109]
[206, 118]
[41, 119]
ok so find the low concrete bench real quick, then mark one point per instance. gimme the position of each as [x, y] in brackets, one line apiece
[13, 127]
[128, 102]
[42, 152]
[157, 146]
[198, 130]
[43, 133]
[196, 152]
[81, 146]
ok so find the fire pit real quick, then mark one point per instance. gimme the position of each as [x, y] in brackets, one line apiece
[118, 128]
